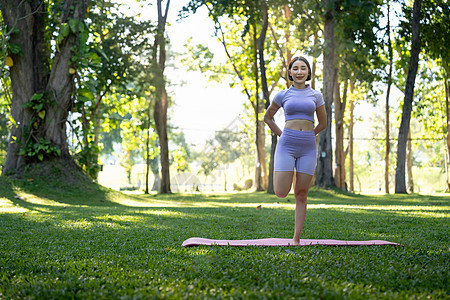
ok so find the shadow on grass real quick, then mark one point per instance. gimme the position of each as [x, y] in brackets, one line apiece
[66, 188]
[111, 245]
[229, 222]
[86, 193]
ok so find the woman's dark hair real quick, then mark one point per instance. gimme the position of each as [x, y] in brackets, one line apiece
[305, 61]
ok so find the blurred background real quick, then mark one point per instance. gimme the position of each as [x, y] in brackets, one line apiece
[200, 74]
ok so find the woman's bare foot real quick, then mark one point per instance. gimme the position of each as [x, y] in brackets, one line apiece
[296, 242]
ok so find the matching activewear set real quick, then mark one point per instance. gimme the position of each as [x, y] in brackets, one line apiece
[296, 149]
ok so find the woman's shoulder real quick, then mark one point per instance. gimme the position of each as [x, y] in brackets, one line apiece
[281, 93]
[318, 96]
[280, 96]
[316, 93]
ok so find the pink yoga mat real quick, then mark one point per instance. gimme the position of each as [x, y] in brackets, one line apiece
[195, 241]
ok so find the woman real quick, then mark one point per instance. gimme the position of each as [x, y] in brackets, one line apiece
[296, 149]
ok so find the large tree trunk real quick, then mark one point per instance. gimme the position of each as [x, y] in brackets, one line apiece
[265, 90]
[31, 74]
[400, 186]
[324, 171]
[339, 110]
[162, 102]
[160, 115]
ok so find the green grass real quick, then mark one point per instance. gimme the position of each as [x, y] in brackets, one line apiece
[82, 241]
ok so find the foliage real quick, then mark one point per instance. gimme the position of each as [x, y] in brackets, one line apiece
[39, 149]
[358, 42]
[239, 68]
[435, 32]
[5, 106]
[429, 109]
[36, 147]
[135, 127]
[84, 241]
[181, 155]
[225, 148]
[115, 82]
[108, 66]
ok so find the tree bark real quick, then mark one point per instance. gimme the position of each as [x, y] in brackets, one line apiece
[350, 138]
[260, 172]
[287, 35]
[314, 63]
[268, 180]
[410, 186]
[31, 74]
[147, 154]
[387, 109]
[339, 110]
[324, 170]
[447, 109]
[400, 186]
[313, 86]
[161, 100]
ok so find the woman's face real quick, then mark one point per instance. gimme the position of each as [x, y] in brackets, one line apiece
[299, 71]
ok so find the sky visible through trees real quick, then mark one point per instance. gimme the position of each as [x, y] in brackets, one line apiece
[120, 75]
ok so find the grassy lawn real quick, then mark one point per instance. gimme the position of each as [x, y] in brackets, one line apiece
[81, 241]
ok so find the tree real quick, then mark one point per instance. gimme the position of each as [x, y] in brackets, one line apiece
[400, 186]
[245, 44]
[357, 57]
[286, 55]
[261, 41]
[161, 103]
[108, 67]
[324, 170]
[435, 35]
[5, 126]
[224, 149]
[40, 108]
[390, 58]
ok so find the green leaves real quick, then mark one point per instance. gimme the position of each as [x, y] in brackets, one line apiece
[76, 25]
[14, 48]
[39, 149]
[39, 103]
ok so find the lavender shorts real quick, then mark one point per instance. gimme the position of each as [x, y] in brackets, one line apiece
[296, 149]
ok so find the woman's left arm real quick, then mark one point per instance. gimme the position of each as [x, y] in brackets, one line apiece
[322, 118]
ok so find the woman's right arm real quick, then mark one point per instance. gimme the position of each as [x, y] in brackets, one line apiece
[268, 118]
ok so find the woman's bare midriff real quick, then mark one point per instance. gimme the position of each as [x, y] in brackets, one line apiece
[300, 124]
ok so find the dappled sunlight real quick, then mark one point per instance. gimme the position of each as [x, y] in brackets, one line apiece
[142, 238]
[196, 200]
[167, 213]
[7, 206]
[110, 222]
[30, 198]
[419, 211]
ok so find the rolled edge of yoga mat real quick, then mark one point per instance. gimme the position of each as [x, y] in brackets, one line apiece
[271, 242]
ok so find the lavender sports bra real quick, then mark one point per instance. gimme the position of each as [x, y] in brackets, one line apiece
[299, 103]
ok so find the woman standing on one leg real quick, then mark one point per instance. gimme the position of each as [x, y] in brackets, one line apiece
[296, 149]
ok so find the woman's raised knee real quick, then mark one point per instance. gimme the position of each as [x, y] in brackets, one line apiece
[281, 193]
